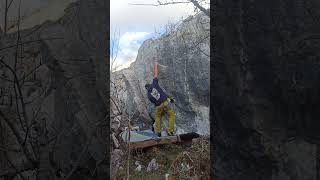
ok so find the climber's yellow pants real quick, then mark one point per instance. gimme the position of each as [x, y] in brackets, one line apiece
[166, 106]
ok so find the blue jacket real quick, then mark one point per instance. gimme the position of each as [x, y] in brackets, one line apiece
[155, 94]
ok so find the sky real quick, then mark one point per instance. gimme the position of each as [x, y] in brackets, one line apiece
[132, 24]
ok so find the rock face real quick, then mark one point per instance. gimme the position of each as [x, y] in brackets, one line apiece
[61, 67]
[34, 12]
[266, 90]
[183, 55]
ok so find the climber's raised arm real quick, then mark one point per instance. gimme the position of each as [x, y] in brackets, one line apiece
[155, 70]
[160, 99]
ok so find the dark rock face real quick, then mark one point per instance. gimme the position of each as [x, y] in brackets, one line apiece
[265, 90]
[183, 55]
[69, 91]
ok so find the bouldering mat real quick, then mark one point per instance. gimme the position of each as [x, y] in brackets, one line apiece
[138, 136]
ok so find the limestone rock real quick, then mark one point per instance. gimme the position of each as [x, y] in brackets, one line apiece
[183, 55]
[153, 165]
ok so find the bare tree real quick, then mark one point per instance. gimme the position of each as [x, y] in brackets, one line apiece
[8, 4]
[22, 95]
[198, 4]
[114, 49]
[119, 113]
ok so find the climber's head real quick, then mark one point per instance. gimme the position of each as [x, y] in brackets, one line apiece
[147, 86]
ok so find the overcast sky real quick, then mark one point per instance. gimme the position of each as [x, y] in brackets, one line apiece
[138, 23]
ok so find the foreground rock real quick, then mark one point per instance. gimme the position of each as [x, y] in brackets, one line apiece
[265, 91]
[153, 165]
[65, 94]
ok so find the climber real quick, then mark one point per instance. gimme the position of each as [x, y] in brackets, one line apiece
[163, 103]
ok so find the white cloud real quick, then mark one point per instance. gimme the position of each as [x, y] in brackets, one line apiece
[129, 44]
[137, 23]
[133, 18]
[132, 38]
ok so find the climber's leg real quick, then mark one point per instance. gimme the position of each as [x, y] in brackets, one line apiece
[159, 112]
[172, 118]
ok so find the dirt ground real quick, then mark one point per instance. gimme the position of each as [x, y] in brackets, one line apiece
[177, 161]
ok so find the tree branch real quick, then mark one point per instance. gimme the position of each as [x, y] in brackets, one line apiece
[194, 2]
[204, 10]
[13, 172]
[18, 137]
[77, 163]
[159, 3]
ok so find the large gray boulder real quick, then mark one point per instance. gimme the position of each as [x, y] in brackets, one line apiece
[183, 55]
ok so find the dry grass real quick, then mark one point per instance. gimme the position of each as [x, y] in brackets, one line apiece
[181, 161]
[194, 162]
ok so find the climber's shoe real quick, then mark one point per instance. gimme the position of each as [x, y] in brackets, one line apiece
[172, 99]
[170, 133]
[158, 134]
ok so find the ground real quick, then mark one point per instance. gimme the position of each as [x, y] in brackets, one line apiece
[181, 161]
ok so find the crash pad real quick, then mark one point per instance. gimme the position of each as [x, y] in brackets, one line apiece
[138, 136]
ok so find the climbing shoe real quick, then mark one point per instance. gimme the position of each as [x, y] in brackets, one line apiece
[170, 133]
[158, 134]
